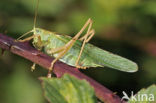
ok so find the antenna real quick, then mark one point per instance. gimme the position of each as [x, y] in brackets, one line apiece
[34, 23]
[35, 17]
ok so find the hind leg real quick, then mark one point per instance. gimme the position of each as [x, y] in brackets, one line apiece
[86, 39]
[90, 33]
[63, 50]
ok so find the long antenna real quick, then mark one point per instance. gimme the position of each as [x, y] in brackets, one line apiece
[35, 17]
[34, 22]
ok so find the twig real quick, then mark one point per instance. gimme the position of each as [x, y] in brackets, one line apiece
[27, 51]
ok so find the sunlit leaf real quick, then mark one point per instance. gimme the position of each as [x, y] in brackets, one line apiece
[67, 89]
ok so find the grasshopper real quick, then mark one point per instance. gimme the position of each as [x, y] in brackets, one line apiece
[76, 51]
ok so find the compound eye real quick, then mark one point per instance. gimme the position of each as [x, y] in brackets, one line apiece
[37, 31]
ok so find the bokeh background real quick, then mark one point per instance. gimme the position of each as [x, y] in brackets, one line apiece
[124, 27]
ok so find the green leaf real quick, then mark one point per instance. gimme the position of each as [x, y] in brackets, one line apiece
[145, 95]
[67, 89]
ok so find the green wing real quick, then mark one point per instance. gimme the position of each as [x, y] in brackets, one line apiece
[105, 58]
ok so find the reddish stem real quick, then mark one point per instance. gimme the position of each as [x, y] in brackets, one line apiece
[27, 51]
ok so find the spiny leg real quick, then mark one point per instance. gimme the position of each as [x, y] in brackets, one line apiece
[67, 47]
[90, 33]
[33, 67]
[61, 54]
[59, 50]
[88, 36]
[25, 34]
[27, 39]
[89, 28]
[63, 50]
[89, 21]
[54, 51]
[72, 41]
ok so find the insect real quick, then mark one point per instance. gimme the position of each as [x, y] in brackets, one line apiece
[76, 51]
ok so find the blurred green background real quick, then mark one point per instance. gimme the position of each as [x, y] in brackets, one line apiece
[124, 27]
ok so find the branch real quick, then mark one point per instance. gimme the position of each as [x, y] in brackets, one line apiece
[27, 51]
